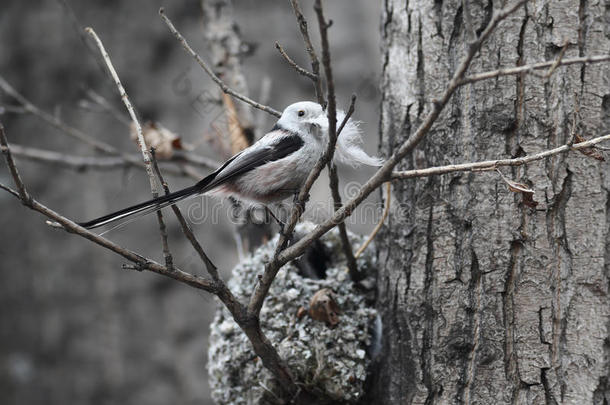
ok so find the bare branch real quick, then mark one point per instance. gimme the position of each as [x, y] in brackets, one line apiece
[352, 266]
[81, 34]
[493, 164]
[346, 245]
[292, 63]
[315, 62]
[186, 229]
[23, 194]
[145, 155]
[106, 106]
[70, 226]
[56, 122]
[69, 161]
[169, 261]
[333, 135]
[534, 66]
[80, 163]
[10, 190]
[386, 211]
[226, 89]
[106, 148]
[132, 112]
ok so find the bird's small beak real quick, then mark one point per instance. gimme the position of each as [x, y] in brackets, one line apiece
[320, 121]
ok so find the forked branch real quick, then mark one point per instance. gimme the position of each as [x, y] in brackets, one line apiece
[223, 86]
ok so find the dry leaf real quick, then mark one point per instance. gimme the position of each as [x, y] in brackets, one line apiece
[590, 151]
[156, 136]
[526, 192]
[324, 307]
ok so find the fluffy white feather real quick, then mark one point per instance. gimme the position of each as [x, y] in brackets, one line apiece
[349, 144]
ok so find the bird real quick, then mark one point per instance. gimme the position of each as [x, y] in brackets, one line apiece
[272, 169]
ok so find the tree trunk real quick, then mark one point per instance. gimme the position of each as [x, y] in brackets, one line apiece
[483, 298]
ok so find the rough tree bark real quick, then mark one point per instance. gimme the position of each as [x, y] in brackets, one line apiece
[483, 299]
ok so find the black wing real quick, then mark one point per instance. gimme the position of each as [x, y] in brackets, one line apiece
[250, 159]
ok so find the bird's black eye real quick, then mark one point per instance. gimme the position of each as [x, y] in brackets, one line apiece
[301, 113]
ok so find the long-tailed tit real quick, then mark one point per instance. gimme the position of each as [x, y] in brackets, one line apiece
[272, 169]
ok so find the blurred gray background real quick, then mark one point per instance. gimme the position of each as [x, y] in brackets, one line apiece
[74, 327]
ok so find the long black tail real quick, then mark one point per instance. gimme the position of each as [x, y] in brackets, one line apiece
[145, 207]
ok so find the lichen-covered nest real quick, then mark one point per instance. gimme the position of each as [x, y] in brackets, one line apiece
[328, 360]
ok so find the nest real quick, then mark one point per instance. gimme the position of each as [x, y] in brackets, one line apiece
[329, 358]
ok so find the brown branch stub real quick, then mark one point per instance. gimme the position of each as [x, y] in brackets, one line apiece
[24, 196]
[223, 86]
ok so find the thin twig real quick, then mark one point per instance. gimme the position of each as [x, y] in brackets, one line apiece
[186, 229]
[81, 163]
[169, 261]
[346, 245]
[145, 154]
[260, 292]
[107, 106]
[292, 63]
[534, 66]
[315, 62]
[129, 106]
[223, 86]
[70, 161]
[493, 164]
[75, 133]
[375, 231]
[333, 135]
[385, 172]
[78, 28]
[10, 190]
[56, 122]
[23, 193]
